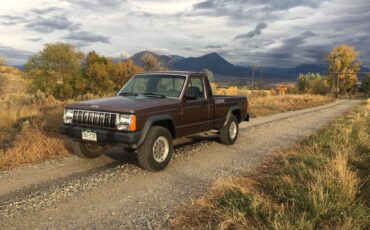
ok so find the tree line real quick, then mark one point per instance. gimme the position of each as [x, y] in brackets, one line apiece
[65, 72]
[343, 68]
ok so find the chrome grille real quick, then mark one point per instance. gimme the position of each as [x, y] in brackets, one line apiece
[94, 118]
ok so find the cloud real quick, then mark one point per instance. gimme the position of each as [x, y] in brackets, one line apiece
[46, 10]
[256, 31]
[51, 23]
[204, 5]
[9, 20]
[86, 37]
[214, 46]
[13, 55]
[33, 39]
[97, 4]
[188, 48]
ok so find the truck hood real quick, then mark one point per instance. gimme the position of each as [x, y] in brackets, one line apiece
[124, 104]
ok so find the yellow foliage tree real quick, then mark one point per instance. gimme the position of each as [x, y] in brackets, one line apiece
[343, 67]
[151, 63]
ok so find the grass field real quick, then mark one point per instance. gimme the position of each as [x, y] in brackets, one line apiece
[320, 183]
[29, 122]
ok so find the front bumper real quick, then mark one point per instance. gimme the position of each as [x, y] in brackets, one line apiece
[104, 136]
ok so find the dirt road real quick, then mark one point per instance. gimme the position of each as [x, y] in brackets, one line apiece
[113, 192]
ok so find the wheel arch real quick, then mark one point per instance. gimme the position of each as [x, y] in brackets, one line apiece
[164, 120]
[233, 110]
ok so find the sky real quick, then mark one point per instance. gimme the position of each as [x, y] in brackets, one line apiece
[279, 33]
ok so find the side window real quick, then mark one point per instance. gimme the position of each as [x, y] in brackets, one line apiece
[195, 88]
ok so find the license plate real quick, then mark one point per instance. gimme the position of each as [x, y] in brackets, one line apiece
[89, 135]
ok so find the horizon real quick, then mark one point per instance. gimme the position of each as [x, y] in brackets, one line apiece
[274, 34]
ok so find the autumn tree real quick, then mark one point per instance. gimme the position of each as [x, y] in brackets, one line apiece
[151, 63]
[63, 71]
[55, 69]
[343, 67]
[3, 61]
[312, 83]
[123, 71]
[105, 76]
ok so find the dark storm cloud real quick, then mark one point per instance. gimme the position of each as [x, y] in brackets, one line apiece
[241, 9]
[86, 37]
[256, 31]
[292, 48]
[50, 23]
[14, 56]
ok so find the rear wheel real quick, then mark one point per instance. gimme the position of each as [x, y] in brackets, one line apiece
[229, 133]
[87, 150]
[156, 151]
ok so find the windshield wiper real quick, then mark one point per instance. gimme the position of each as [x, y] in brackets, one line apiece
[128, 94]
[154, 95]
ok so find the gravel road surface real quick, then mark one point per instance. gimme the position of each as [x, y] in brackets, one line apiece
[113, 192]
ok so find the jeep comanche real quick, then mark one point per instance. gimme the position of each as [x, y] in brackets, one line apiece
[149, 112]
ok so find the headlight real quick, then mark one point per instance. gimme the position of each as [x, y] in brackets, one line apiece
[126, 122]
[68, 116]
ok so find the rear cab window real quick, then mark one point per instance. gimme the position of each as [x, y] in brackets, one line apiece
[195, 88]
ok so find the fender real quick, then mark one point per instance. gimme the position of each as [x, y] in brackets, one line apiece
[149, 122]
[231, 109]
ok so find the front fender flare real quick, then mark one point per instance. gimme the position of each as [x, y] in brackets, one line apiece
[150, 121]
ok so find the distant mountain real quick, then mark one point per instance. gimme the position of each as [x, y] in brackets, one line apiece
[167, 60]
[223, 70]
[213, 62]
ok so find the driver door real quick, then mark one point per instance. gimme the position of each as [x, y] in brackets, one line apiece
[195, 107]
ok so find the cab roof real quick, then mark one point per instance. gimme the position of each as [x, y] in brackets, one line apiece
[172, 72]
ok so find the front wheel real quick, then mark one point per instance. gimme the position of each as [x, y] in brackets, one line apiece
[87, 150]
[229, 133]
[156, 151]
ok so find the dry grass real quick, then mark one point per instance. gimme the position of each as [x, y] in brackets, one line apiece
[33, 145]
[11, 84]
[267, 102]
[266, 105]
[321, 183]
[28, 125]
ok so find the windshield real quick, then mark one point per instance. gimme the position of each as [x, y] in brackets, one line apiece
[154, 85]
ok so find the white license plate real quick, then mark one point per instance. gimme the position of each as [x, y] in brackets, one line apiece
[89, 135]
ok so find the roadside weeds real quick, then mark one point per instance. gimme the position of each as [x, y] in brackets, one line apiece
[320, 183]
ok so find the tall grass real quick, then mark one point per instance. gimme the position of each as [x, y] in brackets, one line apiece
[320, 183]
[271, 104]
[266, 102]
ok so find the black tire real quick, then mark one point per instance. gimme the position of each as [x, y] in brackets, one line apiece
[226, 137]
[148, 158]
[86, 150]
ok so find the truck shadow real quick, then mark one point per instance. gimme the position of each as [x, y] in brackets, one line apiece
[181, 147]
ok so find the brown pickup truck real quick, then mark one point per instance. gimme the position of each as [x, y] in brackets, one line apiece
[149, 112]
